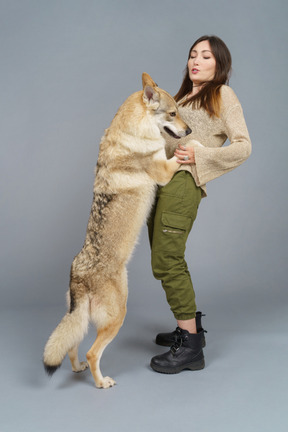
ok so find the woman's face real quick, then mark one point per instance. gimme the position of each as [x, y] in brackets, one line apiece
[201, 63]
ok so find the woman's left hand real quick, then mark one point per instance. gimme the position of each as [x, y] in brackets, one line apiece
[185, 155]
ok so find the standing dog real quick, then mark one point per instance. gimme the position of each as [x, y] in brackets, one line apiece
[131, 163]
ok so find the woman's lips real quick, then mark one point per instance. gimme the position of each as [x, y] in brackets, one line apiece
[195, 71]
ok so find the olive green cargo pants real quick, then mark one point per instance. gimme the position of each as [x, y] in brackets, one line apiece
[169, 225]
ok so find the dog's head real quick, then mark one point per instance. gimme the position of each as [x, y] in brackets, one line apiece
[164, 108]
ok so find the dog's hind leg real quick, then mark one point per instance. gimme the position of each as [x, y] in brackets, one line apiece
[108, 314]
[104, 337]
[77, 366]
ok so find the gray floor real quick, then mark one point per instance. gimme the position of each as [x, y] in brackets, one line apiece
[243, 387]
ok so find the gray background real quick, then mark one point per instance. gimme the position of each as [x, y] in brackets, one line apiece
[66, 67]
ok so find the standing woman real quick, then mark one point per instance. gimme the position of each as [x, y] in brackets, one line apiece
[213, 112]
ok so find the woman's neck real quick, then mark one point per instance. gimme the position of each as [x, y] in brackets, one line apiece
[195, 89]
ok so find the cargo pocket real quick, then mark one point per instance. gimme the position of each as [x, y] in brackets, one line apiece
[175, 230]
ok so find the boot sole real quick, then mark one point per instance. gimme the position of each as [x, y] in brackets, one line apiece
[200, 364]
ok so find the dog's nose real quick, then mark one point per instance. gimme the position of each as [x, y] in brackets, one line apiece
[188, 131]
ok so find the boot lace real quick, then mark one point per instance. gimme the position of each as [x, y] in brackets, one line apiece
[180, 338]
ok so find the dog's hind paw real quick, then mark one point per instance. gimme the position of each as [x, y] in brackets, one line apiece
[106, 382]
[82, 366]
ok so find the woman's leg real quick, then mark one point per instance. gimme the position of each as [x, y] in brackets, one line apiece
[175, 212]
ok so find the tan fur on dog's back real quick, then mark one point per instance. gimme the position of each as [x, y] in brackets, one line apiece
[131, 163]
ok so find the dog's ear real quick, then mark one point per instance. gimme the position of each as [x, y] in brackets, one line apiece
[147, 80]
[151, 96]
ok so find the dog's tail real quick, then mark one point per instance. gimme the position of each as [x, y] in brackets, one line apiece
[68, 334]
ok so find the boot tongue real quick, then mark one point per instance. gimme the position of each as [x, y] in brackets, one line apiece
[183, 335]
[184, 332]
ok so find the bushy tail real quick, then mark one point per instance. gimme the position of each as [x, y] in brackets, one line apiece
[69, 333]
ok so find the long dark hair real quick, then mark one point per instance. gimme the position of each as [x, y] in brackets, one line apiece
[209, 96]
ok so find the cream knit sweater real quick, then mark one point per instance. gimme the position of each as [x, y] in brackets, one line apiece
[211, 158]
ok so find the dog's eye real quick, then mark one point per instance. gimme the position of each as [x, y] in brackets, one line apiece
[173, 114]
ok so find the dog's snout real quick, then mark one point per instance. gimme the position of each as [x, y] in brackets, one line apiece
[188, 131]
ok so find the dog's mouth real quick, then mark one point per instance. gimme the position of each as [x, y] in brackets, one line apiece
[171, 133]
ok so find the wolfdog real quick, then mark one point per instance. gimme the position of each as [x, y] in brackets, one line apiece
[130, 164]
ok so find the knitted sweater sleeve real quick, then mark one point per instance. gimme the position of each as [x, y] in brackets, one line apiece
[211, 163]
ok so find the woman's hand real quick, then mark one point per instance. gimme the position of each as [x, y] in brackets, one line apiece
[185, 155]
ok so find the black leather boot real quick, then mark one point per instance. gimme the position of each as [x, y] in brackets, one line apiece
[185, 353]
[167, 339]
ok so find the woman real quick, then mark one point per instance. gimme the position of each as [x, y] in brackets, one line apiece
[213, 112]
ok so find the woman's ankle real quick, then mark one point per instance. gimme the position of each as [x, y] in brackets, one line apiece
[189, 325]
